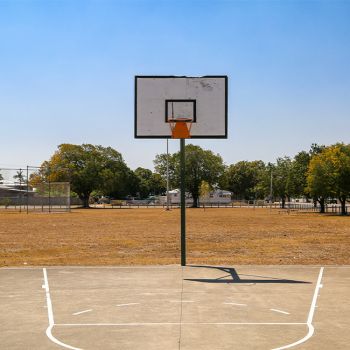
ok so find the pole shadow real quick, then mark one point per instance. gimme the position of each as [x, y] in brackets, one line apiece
[236, 279]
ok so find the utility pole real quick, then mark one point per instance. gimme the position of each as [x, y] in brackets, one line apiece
[167, 175]
[27, 188]
[271, 191]
[183, 202]
[20, 174]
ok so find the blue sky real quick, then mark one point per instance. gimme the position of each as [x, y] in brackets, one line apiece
[67, 70]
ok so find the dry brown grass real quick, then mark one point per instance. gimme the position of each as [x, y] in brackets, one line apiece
[151, 236]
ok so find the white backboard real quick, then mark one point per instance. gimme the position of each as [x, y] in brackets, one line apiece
[159, 98]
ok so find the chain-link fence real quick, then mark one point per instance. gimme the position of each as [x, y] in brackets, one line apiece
[30, 189]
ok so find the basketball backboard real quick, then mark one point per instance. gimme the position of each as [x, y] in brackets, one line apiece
[160, 99]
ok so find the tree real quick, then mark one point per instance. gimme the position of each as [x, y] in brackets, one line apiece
[89, 168]
[144, 178]
[20, 177]
[282, 183]
[204, 191]
[342, 176]
[1, 178]
[316, 149]
[149, 183]
[245, 179]
[160, 163]
[200, 165]
[157, 184]
[298, 174]
[265, 184]
[329, 175]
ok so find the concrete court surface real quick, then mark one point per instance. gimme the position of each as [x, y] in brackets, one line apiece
[169, 307]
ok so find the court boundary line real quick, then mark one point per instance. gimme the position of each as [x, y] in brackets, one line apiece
[57, 267]
[310, 317]
[135, 324]
[51, 316]
[300, 341]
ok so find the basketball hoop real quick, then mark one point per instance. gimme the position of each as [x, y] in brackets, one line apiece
[180, 102]
[180, 128]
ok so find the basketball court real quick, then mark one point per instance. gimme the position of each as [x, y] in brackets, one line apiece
[174, 307]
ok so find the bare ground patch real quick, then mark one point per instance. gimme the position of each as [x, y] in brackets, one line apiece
[151, 236]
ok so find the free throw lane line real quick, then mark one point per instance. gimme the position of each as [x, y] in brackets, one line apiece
[50, 315]
[310, 317]
[81, 312]
[120, 305]
[137, 324]
[280, 311]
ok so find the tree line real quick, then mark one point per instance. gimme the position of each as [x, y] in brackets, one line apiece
[321, 173]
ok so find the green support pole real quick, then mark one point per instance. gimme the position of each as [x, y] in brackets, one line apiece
[183, 203]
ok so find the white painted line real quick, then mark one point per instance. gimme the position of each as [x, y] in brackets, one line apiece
[81, 312]
[128, 304]
[56, 341]
[314, 299]
[280, 311]
[176, 267]
[158, 293]
[48, 299]
[50, 315]
[178, 323]
[66, 272]
[21, 268]
[311, 328]
[235, 304]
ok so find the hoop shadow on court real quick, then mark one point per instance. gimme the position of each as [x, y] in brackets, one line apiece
[235, 277]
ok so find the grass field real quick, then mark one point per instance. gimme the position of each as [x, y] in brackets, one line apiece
[151, 236]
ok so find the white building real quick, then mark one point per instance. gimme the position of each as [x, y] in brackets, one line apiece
[216, 196]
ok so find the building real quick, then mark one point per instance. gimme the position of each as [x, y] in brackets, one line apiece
[216, 196]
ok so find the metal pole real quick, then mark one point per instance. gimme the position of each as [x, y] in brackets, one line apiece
[20, 190]
[271, 187]
[49, 190]
[271, 190]
[27, 188]
[167, 175]
[183, 202]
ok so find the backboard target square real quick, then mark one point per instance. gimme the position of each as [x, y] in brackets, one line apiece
[160, 98]
[175, 109]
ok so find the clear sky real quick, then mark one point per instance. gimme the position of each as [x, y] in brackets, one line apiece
[67, 72]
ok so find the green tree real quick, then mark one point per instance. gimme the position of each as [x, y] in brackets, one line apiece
[316, 149]
[282, 179]
[144, 178]
[20, 177]
[298, 174]
[160, 164]
[200, 165]
[157, 184]
[329, 175]
[342, 175]
[245, 179]
[149, 183]
[265, 182]
[204, 191]
[89, 168]
[1, 178]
